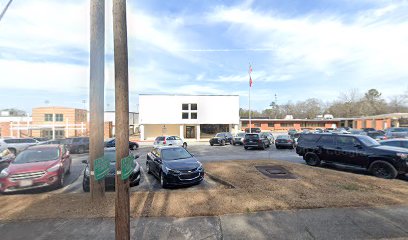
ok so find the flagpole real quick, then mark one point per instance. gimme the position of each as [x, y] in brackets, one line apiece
[249, 96]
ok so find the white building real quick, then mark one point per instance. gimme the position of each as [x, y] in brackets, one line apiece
[109, 116]
[187, 116]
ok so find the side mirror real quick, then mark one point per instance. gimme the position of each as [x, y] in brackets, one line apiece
[85, 161]
[137, 156]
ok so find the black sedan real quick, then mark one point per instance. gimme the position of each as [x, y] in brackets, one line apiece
[284, 141]
[174, 166]
[111, 143]
[110, 178]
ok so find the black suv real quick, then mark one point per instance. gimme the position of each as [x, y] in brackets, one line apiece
[222, 138]
[357, 150]
[256, 140]
[77, 144]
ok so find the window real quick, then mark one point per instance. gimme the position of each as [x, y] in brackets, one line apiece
[393, 143]
[271, 125]
[59, 117]
[257, 124]
[286, 124]
[193, 115]
[405, 144]
[326, 140]
[185, 106]
[194, 106]
[346, 141]
[244, 124]
[48, 117]
[184, 115]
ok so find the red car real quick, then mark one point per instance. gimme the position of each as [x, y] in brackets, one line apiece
[36, 167]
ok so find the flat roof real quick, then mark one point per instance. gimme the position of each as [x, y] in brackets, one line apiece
[208, 95]
[294, 120]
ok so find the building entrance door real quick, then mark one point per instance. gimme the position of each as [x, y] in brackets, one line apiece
[190, 132]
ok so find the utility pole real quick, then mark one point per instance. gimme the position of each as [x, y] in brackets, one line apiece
[96, 94]
[122, 210]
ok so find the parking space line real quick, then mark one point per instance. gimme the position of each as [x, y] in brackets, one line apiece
[146, 177]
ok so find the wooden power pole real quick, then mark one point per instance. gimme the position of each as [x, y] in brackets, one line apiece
[96, 94]
[122, 210]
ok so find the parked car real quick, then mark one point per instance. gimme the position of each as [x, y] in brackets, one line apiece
[253, 130]
[256, 140]
[397, 132]
[318, 130]
[41, 139]
[341, 131]
[134, 178]
[295, 137]
[377, 135]
[169, 141]
[111, 143]
[356, 150]
[16, 145]
[77, 144]
[292, 131]
[368, 129]
[269, 136]
[285, 141]
[36, 167]
[222, 138]
[357, 132]
[395, 142]
[239, 139]
[174, 166]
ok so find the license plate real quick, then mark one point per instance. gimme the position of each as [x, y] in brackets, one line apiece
[25, 183]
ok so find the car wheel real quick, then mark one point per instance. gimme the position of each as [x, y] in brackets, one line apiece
[212, 144]
[246, 148]
[312, 159]
[185, 145]
[163, 182]
[134, 147]
[13, 151]
[61, 180]
[81, 150]
[85, 187]
[383, 169]
[148, 168]
[222, 143]
[69, 169]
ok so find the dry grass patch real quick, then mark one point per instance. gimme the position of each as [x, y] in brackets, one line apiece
[313, 188]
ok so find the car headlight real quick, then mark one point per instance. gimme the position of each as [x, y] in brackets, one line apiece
[54, 168]
[172, 170]
[402, 155]
[4, 173]
[200, 168]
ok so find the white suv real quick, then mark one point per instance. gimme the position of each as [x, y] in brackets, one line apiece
[16, 145]
[169, 141]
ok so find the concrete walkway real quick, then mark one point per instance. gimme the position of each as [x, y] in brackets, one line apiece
[347, 223]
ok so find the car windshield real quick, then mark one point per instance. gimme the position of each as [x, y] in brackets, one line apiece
[241, 135]
[283, 137]
[174, 154]
[37, 155]
[369, 142]
[220, 135]
[251, 136]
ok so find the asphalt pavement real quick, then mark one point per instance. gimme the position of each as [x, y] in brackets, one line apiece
[333, 223]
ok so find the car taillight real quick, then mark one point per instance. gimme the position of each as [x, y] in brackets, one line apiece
[164, 142]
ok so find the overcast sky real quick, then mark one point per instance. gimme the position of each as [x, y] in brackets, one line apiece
[298, 49]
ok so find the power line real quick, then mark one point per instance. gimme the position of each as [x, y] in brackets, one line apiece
[5, 9]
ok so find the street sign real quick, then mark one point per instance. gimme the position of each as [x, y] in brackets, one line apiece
[101, 168]
[128, 165]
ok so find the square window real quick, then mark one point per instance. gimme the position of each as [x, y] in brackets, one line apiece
[193, 115]
[59, 117]
[185, 106]
[48, 117]
[185, 115]
[194, 106]
[244, 124]
[257, 124]
[271, 125]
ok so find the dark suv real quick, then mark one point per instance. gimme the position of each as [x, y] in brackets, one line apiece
[256, 140]
[222, 138]
[77, 144]
[356, 150]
